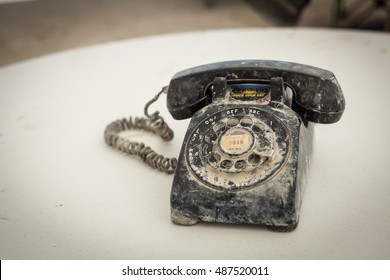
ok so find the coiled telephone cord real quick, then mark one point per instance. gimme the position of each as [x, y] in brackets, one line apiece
[153, 123]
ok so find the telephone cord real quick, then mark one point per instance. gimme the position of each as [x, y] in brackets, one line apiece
[152, 123]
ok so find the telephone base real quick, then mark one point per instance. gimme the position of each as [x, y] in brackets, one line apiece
[183, 220]
[203, 192]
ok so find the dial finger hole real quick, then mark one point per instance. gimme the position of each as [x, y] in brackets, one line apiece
[264, 143]
[240, 164]
[247, 122]
[232, 121]
[226, 164]
[257, 128]
[206, 149]
[210, 137]
[254, 159]
[219, 127]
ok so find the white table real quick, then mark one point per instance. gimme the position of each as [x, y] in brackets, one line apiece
[65, 195]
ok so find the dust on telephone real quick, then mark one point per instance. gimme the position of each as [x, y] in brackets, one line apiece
[246, 153]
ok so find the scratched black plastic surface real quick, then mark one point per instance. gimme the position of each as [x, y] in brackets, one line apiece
[317, 94]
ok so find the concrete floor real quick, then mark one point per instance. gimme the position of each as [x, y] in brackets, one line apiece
[37, 27]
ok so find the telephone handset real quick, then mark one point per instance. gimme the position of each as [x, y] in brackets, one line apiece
[246, 152]
[318, 97]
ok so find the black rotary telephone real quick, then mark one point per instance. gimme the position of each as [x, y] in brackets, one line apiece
[246, 153]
